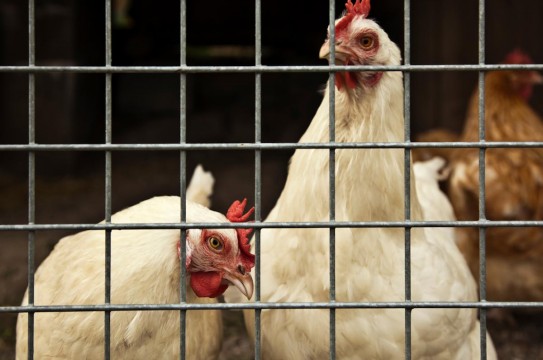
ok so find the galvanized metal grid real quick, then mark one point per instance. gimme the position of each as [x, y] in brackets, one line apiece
[407, 173]
[31, 174]
[332, 181]
[108, 147]
[482, 197]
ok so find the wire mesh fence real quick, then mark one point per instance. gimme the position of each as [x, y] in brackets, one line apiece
[257, 147]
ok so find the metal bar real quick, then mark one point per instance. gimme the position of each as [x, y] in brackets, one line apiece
[272, 305]
[266, 69]
[258, 147]
[407, 173]
[482, 197]
[183, 174]
[276, 225]
[108, 193]
[332, 179]
[31, 174]
[268, 146]
[258, 173]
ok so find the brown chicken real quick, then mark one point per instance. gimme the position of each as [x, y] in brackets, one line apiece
[435, 135]
[514, 185]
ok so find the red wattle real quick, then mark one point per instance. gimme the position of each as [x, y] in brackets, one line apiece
[346, 78]
[207, 284]
[339, 81]
[351, 79]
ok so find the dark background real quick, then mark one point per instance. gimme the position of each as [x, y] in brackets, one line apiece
[70, 107]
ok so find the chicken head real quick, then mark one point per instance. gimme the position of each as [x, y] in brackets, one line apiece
[359, 41]
[217, 258]
[522, 81]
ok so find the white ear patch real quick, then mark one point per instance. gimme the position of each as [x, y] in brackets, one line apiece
[188, 250]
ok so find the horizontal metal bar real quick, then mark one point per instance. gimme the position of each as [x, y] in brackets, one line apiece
[273, 305]
[275, 225]
[268, 146]
[263, 68]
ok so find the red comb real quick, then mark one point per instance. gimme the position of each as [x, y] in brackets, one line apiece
[518, 56]
[360, 7]
[235, 214]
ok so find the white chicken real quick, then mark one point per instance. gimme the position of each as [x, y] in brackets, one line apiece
[369, 262]
[200, 186]
[435, 204]
[144, 270]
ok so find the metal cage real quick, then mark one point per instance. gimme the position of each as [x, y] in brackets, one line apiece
[107, 148]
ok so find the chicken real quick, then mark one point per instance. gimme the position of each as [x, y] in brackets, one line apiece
[435, 204]
[514, 185]
[200, 186]
[435, 135]
[369, 262]
[144, 270]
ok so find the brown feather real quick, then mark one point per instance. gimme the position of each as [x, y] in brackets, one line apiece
[435, 135]
[514, 190]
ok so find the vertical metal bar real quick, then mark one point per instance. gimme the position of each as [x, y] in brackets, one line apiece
[332, 178]
[31, 175]
[107, 300]
[183, 175]
[482, 196]
[258, 170]
[407, 172]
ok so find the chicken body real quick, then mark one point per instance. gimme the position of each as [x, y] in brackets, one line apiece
[435, 135]
[200, 186]
[369, 262]
[145, 269]
[513, 184]
[435, 204]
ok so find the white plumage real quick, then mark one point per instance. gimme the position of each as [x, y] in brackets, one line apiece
[435, 204]
[200, 186]
[369, 261]
[144, 270]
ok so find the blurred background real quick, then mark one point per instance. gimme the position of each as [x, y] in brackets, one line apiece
[70, 107]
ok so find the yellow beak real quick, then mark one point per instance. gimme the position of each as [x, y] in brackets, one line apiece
[244, 282]
[342, 52]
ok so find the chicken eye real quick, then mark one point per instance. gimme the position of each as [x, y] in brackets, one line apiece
[214, 243]
[366, 42]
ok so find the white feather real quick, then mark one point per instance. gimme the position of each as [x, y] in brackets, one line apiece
[200, 186]
[369, 262]
[144, 270]
[435, 204]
